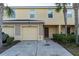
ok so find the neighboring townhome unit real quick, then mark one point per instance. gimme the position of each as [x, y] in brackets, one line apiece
[37, 22]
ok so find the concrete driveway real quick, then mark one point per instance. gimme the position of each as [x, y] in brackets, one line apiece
[36, 48]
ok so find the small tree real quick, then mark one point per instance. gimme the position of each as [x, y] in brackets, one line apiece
[63, 6]
[75, 7]
[9, 13]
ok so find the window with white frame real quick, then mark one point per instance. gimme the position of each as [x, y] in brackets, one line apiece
[50, 13]
[69, 13]
[32, 13]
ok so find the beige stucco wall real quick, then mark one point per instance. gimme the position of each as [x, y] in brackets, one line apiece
[72, 29]
[52, 30]
[10, 29]
[22, 13]
[55, 30]
[42, 14]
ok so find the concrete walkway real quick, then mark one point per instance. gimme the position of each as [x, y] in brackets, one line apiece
[36, 48]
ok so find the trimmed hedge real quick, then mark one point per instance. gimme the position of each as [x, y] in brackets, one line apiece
[9, 40]
[6, 39]
[70, 38]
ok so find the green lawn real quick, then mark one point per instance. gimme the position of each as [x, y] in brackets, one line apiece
[72, 48]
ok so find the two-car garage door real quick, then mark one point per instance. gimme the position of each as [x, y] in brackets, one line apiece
[29, 33]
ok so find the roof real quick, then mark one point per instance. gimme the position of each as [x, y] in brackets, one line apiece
[36, 6]
[23, 21]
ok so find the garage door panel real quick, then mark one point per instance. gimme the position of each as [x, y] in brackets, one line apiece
[29, 33]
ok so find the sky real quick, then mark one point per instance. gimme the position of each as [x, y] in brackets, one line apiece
[30, 4]
[35, 2]
[27, 2]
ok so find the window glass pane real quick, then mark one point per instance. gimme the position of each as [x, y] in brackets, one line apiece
[14, 14]
[69, 13]
[32, 13]
[50, 13]
[32, 16]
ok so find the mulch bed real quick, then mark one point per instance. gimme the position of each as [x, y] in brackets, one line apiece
[5, 47]
[71, 47]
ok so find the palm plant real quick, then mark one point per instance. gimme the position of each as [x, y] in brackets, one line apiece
[75, 7]
[9, 13]
[63, 6]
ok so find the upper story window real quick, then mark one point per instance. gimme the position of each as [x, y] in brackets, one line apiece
[69, 13]
[32, 13]
[50, 13]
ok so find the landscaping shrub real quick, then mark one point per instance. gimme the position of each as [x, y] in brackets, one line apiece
[9, 40]
[57, 37]
[70, 38]
[4, 37]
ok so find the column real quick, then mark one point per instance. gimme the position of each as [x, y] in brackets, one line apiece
[17, 32]
[59, 29]
[41, 32]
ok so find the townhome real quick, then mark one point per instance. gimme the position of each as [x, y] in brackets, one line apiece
[37, 22]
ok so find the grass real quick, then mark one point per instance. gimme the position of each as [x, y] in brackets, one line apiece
[72, 48]
[5, 47]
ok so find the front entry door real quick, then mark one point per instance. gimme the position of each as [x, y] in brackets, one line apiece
[68, 30]
[46, 32]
